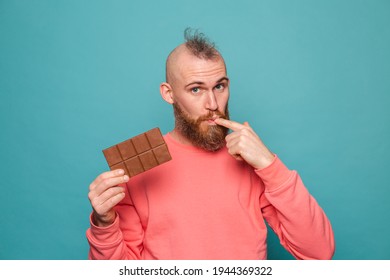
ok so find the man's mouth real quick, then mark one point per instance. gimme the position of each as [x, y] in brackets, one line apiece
[211, 121]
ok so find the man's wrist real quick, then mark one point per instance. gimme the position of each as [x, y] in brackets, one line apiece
[265, 161]
[98, 222]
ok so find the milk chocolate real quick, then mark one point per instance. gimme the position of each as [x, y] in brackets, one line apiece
[138, 154]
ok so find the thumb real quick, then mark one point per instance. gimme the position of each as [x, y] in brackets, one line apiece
[246, 124]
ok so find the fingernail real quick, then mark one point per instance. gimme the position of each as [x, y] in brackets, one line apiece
[121, 171]
[126, 178]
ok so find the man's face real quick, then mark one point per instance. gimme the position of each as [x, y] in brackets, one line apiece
[200, 92]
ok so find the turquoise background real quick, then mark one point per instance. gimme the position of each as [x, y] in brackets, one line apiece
[311, 77]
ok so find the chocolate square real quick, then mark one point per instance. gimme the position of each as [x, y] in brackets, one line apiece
[126, 149]
[138, 154]
[148, 160]
[112, 155]
[141, 143]
[162, 154]
[134, 166]
[154, 138]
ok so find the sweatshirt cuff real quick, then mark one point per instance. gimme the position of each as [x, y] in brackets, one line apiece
[103, 234]
[274, 175]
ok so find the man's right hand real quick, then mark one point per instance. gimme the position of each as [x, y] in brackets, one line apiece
[104, 194]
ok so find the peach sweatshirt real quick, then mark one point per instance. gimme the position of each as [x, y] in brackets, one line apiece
[208, 205]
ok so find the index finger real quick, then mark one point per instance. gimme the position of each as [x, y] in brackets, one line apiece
[107, 175]
[229, 124]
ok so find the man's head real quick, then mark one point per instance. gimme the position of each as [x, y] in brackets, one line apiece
[198, 88]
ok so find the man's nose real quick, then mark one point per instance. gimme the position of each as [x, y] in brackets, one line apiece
[211, 102]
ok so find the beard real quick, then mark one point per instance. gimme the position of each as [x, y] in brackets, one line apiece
[210, 138]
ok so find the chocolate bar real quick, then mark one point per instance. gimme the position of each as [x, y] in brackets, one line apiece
[138, 154]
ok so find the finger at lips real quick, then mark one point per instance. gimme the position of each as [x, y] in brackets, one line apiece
[234, 126]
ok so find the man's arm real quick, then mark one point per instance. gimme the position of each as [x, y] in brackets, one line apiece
[115, 229]
[294, 215]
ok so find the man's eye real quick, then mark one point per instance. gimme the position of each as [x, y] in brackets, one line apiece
[195, 90]
[219, 87]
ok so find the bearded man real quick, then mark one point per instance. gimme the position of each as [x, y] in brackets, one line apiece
[211, 201]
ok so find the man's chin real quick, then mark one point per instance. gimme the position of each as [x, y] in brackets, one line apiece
[206, 128]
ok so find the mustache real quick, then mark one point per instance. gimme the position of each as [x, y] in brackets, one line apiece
[210, 115]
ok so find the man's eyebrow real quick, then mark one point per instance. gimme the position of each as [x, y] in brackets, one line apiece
[202, 83]
[223, 79]
[195, 83]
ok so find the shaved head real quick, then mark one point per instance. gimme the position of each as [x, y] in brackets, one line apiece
[196, 44]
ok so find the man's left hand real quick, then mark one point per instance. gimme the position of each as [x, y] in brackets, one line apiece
[244, 144]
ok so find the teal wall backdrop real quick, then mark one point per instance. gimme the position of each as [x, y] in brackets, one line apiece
[311, 77]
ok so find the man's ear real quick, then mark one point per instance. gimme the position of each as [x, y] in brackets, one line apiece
[166, 92]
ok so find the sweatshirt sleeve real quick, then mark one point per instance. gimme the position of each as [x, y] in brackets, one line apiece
[120, 240]
[293, 214]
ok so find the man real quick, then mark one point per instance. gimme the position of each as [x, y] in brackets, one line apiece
[212, 199]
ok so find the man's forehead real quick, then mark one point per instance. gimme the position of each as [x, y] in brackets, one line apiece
[189, 65]
[199, 69]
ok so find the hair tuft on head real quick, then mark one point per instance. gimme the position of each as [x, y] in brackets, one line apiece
[199, 45]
